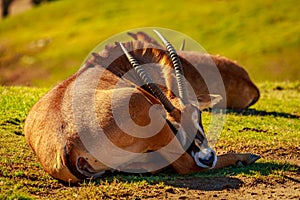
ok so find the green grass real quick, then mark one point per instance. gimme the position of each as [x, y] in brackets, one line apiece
[270, 128]
[48, 43]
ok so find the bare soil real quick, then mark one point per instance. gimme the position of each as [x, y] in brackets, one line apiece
[236, 188]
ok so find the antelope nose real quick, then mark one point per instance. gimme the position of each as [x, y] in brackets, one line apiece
[209, 160]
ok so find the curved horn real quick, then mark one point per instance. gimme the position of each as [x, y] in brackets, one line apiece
[156, 91]
[178, 68]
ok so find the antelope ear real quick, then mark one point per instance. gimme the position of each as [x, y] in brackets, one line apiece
[208, 100]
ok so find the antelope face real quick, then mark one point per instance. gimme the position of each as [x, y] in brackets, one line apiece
[192, 128]
[188, 128]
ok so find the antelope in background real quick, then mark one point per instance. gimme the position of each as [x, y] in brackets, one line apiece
[57, 135]
[240, 91]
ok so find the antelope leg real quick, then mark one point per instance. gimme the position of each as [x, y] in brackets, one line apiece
[230, 159]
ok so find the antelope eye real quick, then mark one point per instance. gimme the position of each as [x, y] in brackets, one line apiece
[198, 143]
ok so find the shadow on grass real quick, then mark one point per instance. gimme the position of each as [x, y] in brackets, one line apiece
[214, 180]
[250, 111]
[15, 125]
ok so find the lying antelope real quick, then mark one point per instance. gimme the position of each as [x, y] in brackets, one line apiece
[240, 91]
[74, 143]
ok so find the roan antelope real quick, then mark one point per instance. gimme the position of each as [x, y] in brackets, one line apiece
[75, 134]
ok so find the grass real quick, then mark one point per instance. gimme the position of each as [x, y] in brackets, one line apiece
[270, 128]
[48, 43]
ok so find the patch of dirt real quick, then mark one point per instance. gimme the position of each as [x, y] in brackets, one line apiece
[290, 154]
[245, 190]
[209, 184]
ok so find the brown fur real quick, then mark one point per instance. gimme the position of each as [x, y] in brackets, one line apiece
[51, 132]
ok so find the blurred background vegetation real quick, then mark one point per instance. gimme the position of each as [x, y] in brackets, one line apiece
[45, 44]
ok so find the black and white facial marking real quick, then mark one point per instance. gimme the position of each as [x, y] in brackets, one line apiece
[191, 129]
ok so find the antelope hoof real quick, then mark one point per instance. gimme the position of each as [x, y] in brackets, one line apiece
[252, 158]
[247, 159]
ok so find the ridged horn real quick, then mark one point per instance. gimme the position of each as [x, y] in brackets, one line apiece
[146, 79]
[178, 69]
